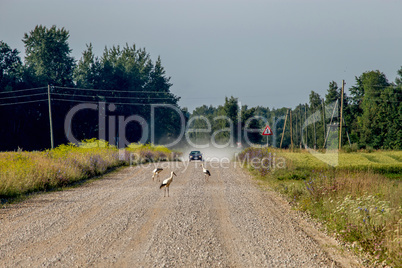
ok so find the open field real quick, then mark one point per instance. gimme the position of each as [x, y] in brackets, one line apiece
[359, 200]
[388, 163]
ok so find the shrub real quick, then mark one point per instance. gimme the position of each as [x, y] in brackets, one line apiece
[351, 148]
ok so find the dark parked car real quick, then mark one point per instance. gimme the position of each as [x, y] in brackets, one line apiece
[195, 155]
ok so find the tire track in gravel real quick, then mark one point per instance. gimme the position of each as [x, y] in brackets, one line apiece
[186, 236]
[273, 240]
[56, 240]
[136, 247]
[85, 219]
[128, 211]
[330, 246]
[91, 222]
[275, 213]
[230, 236]
[30, 206]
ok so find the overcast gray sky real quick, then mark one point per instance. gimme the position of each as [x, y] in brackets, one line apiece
[265, 52]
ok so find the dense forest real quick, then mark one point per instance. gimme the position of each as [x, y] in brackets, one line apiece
[120, 84]
[118, 92]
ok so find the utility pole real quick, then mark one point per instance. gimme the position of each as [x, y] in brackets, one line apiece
[274, 132]
[296, 137]
[341, 121]
[291, 129]
[315, 137]
[323, 121]
[305, 113]
[284, 127]
[50, 117]
[301, 130]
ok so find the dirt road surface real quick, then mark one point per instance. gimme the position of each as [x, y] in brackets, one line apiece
[123, 220]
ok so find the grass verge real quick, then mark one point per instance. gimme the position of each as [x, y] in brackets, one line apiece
[359, 200]
[22, 173]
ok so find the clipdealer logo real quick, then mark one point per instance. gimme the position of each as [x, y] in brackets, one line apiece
[148, 129]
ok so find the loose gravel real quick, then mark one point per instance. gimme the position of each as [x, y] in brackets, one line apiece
[123, 220]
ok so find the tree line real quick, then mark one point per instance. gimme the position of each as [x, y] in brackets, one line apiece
[125, 76]
[372, 113]
[372, 118]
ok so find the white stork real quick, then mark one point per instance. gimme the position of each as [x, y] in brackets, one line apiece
[206, 172]
[156, 173]
[166, 183]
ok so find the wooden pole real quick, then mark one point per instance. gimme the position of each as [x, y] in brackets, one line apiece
[291, 129]
[50, 117]
[323, 121]
[284, 127]
[301, 130]
[341, 121]
[296, 134]
[315, 137]
[305, 113]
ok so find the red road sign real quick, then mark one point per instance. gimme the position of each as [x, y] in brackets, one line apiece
[267, 131]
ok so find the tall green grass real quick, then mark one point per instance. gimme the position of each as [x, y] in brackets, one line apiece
[356, 200]
[383, 162]
[26, 172]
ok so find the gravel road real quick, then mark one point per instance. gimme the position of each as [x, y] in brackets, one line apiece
[123, 220]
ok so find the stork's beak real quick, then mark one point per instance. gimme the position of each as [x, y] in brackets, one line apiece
[174, 174]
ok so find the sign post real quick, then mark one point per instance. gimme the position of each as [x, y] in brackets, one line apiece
[267, 131]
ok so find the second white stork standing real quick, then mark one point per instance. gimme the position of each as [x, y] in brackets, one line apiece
[156, 173]
[166, 183]
[206, 172]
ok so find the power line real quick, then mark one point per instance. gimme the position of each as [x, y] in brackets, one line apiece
[134, 98]
[75, 95]
[23, 96]
[116, 91]
[113, 97]
[120, 103]
[23, 90]
[22, 102]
